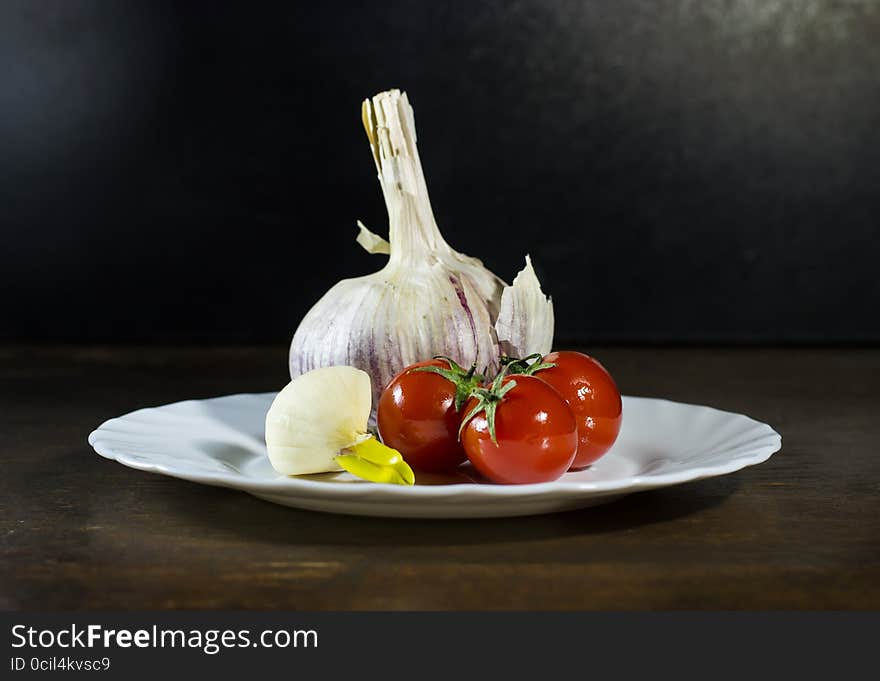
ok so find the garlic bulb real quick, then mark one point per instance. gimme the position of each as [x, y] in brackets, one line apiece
[429, 299]
[318, 424]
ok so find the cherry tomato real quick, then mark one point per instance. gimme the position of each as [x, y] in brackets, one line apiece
[417, 417]
[593, 397]
[535, 432]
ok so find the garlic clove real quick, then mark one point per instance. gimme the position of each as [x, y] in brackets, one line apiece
[317, 415]
[525, 321]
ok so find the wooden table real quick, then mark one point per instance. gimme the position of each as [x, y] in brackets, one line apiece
[799, 531]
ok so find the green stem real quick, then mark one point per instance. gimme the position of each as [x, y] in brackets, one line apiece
[465, 381]
[488, 400]
[521, 366]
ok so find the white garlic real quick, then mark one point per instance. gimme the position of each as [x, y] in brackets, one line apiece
[429, 299]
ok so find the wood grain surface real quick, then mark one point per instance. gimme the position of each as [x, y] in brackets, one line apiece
[801, 531]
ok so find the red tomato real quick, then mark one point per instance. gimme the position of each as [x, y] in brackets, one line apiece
[536, 433]
[593, 397]
[417, 417]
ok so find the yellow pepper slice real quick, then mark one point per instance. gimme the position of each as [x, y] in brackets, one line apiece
[370, 449]
[373, 461]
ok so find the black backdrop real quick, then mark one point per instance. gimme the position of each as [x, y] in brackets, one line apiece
[679, 171]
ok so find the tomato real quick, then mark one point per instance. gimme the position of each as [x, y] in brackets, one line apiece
[536, 432]
[417, 414]
[593, 397]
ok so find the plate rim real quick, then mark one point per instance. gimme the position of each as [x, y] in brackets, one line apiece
[770, 443]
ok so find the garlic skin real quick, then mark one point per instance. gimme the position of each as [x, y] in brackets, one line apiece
[372, 243]
[429, 299]
[315, 417]
[525, 322]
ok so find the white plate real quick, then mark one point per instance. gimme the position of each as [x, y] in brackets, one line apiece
[220, 442]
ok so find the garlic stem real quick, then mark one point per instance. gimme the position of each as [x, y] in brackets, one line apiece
[390, 126]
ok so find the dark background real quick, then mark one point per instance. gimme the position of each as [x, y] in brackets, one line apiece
[679, 171]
